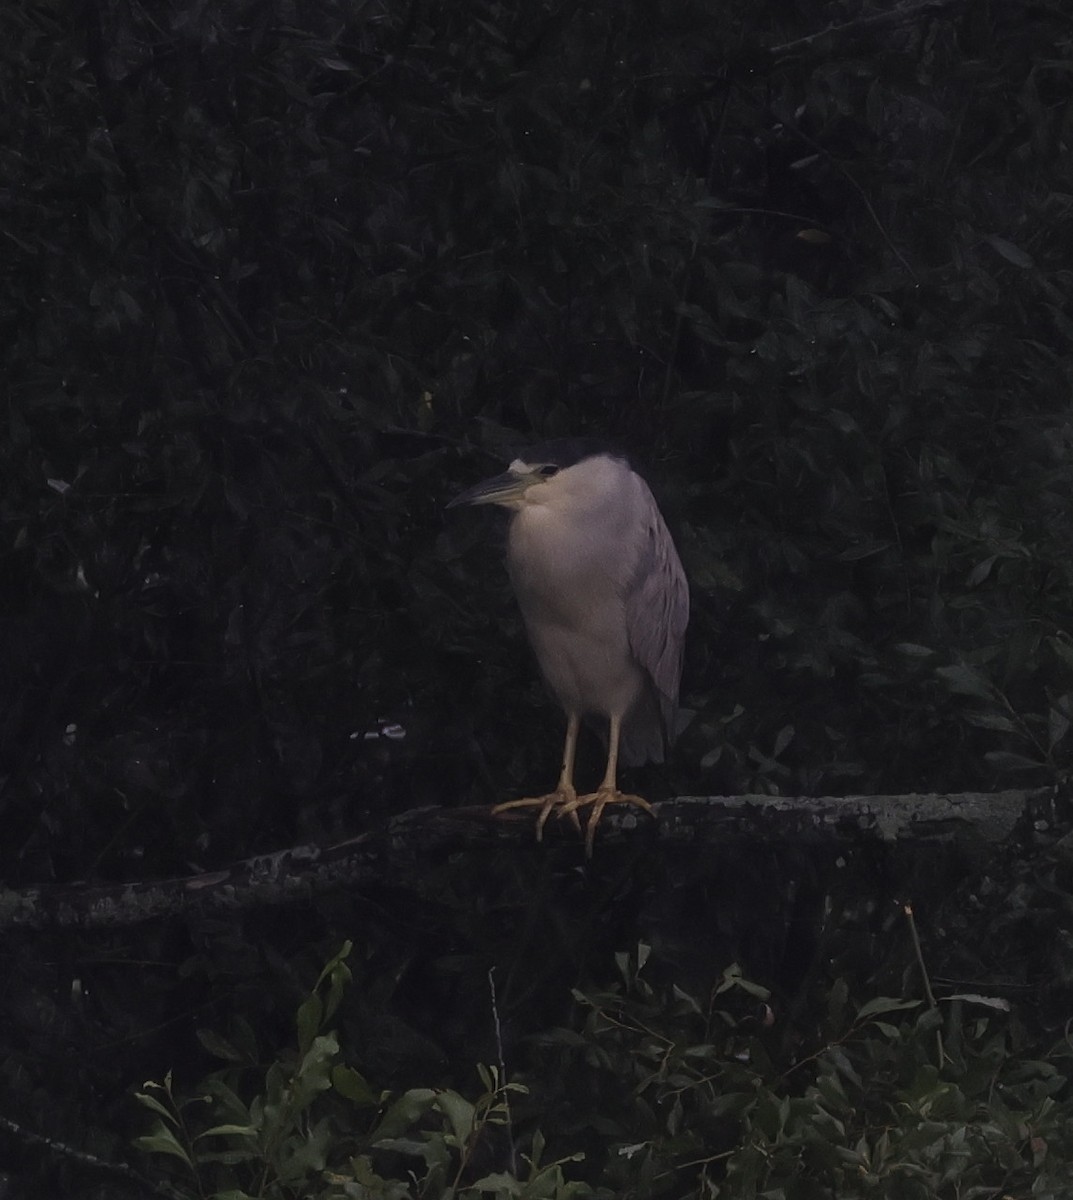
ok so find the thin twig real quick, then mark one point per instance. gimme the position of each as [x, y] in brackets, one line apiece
[928, 993]
[502, 1063]
[901, 16]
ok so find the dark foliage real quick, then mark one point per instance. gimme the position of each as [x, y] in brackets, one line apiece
[278, 281]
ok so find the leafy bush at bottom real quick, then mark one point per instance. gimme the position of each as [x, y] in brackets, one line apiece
[651, 1094]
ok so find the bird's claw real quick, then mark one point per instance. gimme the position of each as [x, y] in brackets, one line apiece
[599, 800]
[562, 802]
[566, 803]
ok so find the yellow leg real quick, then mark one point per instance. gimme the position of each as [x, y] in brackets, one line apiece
[607, 793]
[564, 798]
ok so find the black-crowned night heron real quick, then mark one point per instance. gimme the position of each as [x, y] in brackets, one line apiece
[605, 603]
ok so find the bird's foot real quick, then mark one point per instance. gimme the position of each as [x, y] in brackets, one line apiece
[599, 800]
[563, 802]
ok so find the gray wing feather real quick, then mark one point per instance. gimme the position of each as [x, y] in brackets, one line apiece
[657, 613]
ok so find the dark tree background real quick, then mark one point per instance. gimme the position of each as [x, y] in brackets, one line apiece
[280, 279]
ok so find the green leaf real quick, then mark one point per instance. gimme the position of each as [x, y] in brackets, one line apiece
[981, 571]
[841, 1061]
[336, 961]
[338, 975]
[1008, 761]
[912, 650]
[500, 1183]
[996, 1002]
[1058, 721]
[153, 1103]
[218, 1046]
[964, 681]
[991, 720]
[163, 1141]
[353, 1085]
[842, 421]
[1062, 648]
[459, 1113]
[309, 1018]
[410, 1107]
[884, 1004]
[313, 1073]
[536, 1150]
[1010, 252]
[230, 1131]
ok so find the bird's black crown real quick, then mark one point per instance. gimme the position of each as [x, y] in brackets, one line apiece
[568, 452]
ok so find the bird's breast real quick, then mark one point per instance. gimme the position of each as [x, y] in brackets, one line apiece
[571, 591]
[559, 568]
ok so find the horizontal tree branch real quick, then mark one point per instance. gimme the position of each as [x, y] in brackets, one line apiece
[977, 822]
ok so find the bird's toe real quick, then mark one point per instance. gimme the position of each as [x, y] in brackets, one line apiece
[562, 802]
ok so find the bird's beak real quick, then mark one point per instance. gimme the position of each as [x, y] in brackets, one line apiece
[506, 489]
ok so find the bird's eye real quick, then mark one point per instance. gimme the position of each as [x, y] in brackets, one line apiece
[548, 470]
